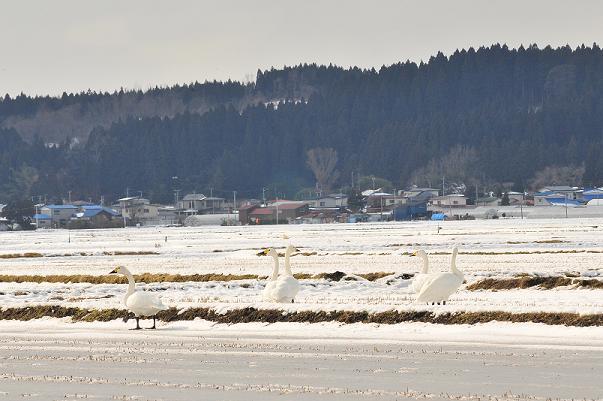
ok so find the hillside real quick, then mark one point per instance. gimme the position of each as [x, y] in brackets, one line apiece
[485, 116]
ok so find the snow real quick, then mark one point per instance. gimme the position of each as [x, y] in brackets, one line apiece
[495, 248]
[51, 359]
[187, 360]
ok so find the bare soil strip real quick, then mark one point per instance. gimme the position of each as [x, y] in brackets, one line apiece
[172, 278]
[251, 315]
[522, 282]
[105, 253]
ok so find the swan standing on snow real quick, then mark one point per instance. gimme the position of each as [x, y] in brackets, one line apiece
[268, 290]
[283, 287]
[440, 286]
[141, 303]
[420, 278]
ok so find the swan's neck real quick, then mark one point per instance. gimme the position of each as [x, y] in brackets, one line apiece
[131, 285]
[288, 263]
[453, 264]
[274, 269]
[425, 263]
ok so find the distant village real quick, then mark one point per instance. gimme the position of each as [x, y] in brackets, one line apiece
[415, 203]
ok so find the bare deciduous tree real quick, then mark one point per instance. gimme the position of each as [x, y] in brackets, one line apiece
[322, 162]
[458, 167]
[557, 175]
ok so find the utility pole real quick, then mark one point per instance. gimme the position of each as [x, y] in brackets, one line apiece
[443, 190]
[352, 180]
[127, 192]
[102, 200]
[176, 197]
[234, 200]
[69, 192]
[264, 196]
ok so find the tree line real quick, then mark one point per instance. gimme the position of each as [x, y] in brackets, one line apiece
[482, 116]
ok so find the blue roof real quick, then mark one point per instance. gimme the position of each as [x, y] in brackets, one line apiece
[91, 211]
[41, 216]
[61, 207]
[438, 216]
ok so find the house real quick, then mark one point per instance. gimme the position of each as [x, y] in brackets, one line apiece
[329, 201]
[596, 193]
[132, 208]
[517, 198]
[487, 201]
[382, 200]
[95, 216]
[281, 212]
[199, 203]
[244, 212]
[451, 200]
[42, 220]
[421, 193]
[261, 215]
[562, 191]
[557, 194]
[291, 211]
[168, 215]
[59, 215]
[410, 210]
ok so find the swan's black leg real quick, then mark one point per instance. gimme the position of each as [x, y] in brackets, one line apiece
[293, 301]
[137, 323]
[444, 302]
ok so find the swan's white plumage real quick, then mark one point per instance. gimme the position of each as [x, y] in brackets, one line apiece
[285, 287]
[140, 303]
[267, 294]
[420, 278]
[440, 286]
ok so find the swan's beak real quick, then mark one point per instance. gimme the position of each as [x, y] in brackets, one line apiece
[413, 254]
[114, 271]
[296, 250]
[265, 252]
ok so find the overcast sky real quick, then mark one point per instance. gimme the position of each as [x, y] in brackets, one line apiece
[48, 47]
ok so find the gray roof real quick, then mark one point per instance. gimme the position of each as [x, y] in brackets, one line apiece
[555, 188]
[421, 190]
[195, 197]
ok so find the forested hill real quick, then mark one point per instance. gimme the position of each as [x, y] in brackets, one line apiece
[477, 117]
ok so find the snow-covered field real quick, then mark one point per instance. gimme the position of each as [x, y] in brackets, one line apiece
[495, 248]
[333, 361]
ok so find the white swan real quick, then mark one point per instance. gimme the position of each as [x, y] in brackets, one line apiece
[268, 290]
[284, 287]
[287, 286]
[440, 286]
[141, 303]
[420, 278]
